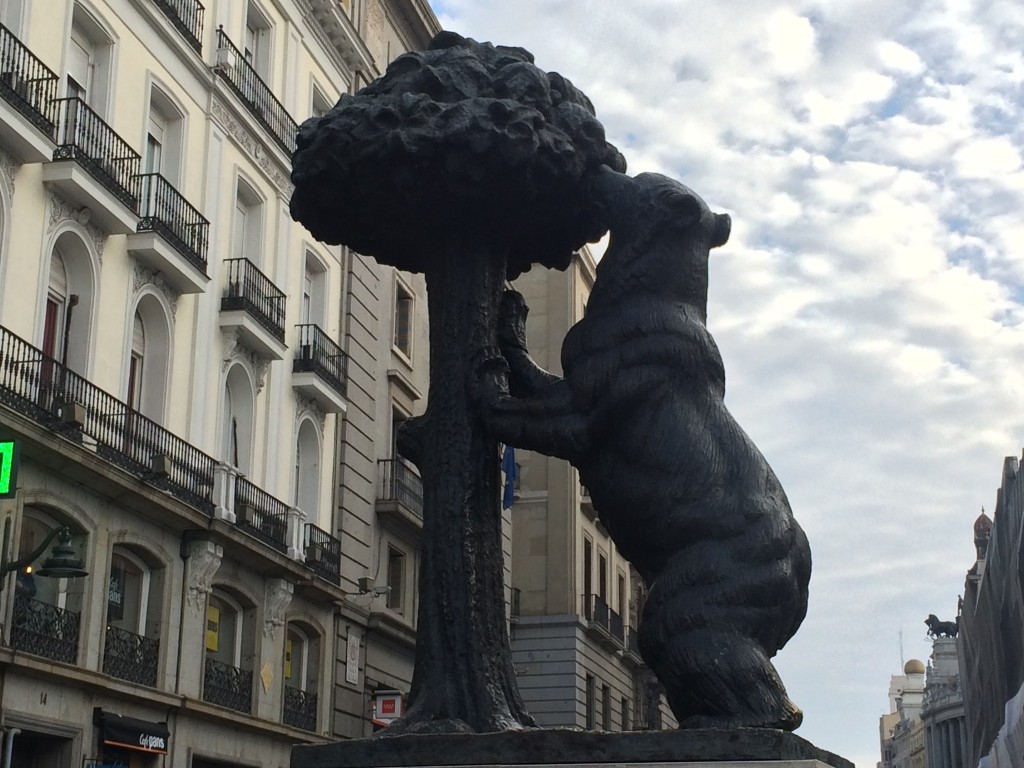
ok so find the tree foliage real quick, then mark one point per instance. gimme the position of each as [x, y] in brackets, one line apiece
[464, 145]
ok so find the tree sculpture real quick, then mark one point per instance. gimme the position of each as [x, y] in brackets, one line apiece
[467, 163]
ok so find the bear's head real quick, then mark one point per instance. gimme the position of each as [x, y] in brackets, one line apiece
[661, 233]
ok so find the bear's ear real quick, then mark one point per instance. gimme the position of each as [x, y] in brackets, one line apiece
[723, 226]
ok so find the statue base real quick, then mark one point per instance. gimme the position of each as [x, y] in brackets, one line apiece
[747, 747]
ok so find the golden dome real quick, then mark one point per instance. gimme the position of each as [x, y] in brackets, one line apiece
[913, 667]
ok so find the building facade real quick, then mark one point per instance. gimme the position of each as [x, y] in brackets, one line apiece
[201, 394]
[576, 600]
[991, 637]
[901, 732]
[942, 716]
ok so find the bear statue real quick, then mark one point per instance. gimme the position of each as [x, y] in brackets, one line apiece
[684, 493]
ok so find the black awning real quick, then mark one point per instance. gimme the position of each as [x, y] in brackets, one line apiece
[130, 733]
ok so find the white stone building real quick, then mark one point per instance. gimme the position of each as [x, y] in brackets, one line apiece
[201, 393]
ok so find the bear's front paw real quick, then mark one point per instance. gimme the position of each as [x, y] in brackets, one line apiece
[489, 377]
[512, 320]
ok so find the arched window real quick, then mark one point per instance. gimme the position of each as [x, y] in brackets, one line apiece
[236, 438]
[134, 608]
[301, 677]
[68, 303]
[307, 471]
[230, 650]
[47, 611]
[148, 359]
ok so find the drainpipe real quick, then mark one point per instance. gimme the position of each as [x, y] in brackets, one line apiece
[9, 747]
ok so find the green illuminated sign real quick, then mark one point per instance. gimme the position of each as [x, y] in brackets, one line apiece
[8, 468]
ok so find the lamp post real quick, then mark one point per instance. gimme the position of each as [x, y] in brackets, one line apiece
[62, 563]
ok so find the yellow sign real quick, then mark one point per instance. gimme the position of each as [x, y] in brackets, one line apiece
[212, 628]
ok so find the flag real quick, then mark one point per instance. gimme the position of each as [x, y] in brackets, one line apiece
[508, 466]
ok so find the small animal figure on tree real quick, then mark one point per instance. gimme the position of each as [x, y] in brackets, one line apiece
[685, 494]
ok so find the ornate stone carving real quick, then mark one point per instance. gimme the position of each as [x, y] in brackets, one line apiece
[275, 605]
[61, 210]
[204, 559]
[143, 276]
[8, 169]
[308, 407]
[253, 147]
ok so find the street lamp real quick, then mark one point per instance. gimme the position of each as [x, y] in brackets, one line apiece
[62, 563]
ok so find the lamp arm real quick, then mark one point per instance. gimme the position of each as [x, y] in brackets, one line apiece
[17, 565]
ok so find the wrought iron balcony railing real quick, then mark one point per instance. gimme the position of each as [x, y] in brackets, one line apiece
[187, 17]
[300, 708]
[399, 482]
[83, 136]
[632, 641]
[227, 686]
[616, 626]
[246, 82]
[163, 210]
[317, 353]
[45, 630]
[250, 290]
[323, 553]
[47, 392]
[132, 657]
[260, 514]
[26, 83]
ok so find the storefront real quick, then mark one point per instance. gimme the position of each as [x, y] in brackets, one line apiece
[128, 741]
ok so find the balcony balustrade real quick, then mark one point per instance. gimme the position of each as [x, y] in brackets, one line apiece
[227, 686]
[163, 210]
[27, 84]
[251, 291]
[319, 354]
[323, 553]
[53, 395]
[616, 626]
[84, 137]
[300, 708]
[45, 630]
[260, 514]
[132, 657]
[257, 96]
[400, 483]
[187, 17]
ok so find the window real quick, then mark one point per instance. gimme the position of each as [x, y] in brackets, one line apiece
[236, 435]
[320, 105]
[247, 224]
[148, 359]
[314, 289]
[602, 577]
[46, 619]
[620, 594]
[11, 15]
[89, 61]
[68, 303]
[307, 471]
[396, 579]
[403, 320]
[256, 48]
[230, 650]
[624, 704]
[590, 703]
[162, 148]
[606, 707]
[588, 588]
[57, 315]
[301, 677]
[134, 591]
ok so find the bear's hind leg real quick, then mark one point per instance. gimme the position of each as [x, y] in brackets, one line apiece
[722, 679]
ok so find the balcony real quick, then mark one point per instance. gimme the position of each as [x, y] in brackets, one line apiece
[322, 553]
[227, 686]
[94, 167]
[300, 708]
[253, 307]
[254, 93]
[45, 630]
[400, 497]
[28, 89]
[632, 647]
[187, 17]
[56, 397]
[602, 622]
[131, 657]
[171, 236]
[319, 369]
[261, 515]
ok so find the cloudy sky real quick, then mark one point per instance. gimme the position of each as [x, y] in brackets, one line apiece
[869, 305]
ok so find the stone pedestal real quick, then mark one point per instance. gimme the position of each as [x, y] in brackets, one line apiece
[710, 748]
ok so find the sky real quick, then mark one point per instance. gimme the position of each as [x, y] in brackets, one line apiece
[869, 305]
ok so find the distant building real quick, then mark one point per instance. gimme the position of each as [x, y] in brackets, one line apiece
[943, 712]
[901, 732]
[991, 639]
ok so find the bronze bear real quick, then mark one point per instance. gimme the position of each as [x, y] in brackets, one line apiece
[684, 493]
